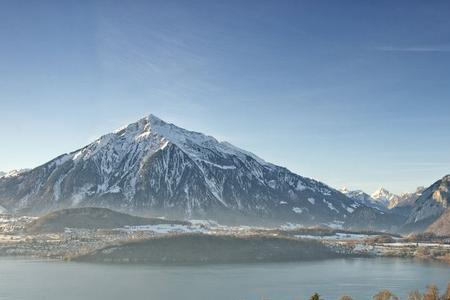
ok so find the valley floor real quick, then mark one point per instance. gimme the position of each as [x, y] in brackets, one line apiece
[81, 242]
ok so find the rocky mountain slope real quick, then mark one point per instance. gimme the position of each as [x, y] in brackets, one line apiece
[441, 226]
[406, 199]
[404, 203]
[430, 205]
[156, 168]
[2, 209]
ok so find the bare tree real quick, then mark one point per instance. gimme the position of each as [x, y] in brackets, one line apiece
[415, 295]
[315, 296]
[345, 297]
[446, 295]
[385, 295]
[432, 293]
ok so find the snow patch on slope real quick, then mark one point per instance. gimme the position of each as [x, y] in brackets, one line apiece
[330, 205]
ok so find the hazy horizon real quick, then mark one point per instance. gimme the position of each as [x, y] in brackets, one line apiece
[351, 94]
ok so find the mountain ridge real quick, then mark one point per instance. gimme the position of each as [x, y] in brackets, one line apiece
[155, 167]
[430, 206]
[363, 198]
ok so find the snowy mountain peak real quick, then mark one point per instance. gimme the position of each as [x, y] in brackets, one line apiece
[383, 196]
[381, 191]
[152, 166]
[344, 190]
[197, 145]
[154, 119]
[362, 198]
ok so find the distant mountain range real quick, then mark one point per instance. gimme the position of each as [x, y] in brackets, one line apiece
[422, 210]
[406, 199]
[154, 168]
[363, 198]
[426, 209]
[385, 200]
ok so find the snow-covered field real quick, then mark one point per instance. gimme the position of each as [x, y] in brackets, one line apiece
[196, 226]
[165, 228]
[336, 237]
[419, 244]
[10, 223]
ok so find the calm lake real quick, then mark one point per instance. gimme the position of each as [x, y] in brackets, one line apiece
[360, 278]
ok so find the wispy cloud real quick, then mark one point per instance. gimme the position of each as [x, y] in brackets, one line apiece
[445, 48]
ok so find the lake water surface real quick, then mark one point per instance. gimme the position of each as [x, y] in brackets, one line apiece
[360, 278]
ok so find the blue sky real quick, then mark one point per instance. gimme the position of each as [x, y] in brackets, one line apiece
[353, 93]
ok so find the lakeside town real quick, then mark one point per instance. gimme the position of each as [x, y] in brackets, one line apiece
[15, 240]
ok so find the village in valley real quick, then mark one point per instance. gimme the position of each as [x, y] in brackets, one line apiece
[17, 240]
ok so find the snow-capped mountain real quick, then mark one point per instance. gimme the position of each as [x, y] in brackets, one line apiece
[399, 205]
[154, 167]
[432, 203]
[2, 173]
[362, 198]
[383, 197]
[406, 199]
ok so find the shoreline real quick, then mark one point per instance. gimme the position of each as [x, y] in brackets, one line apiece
[61, 249]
